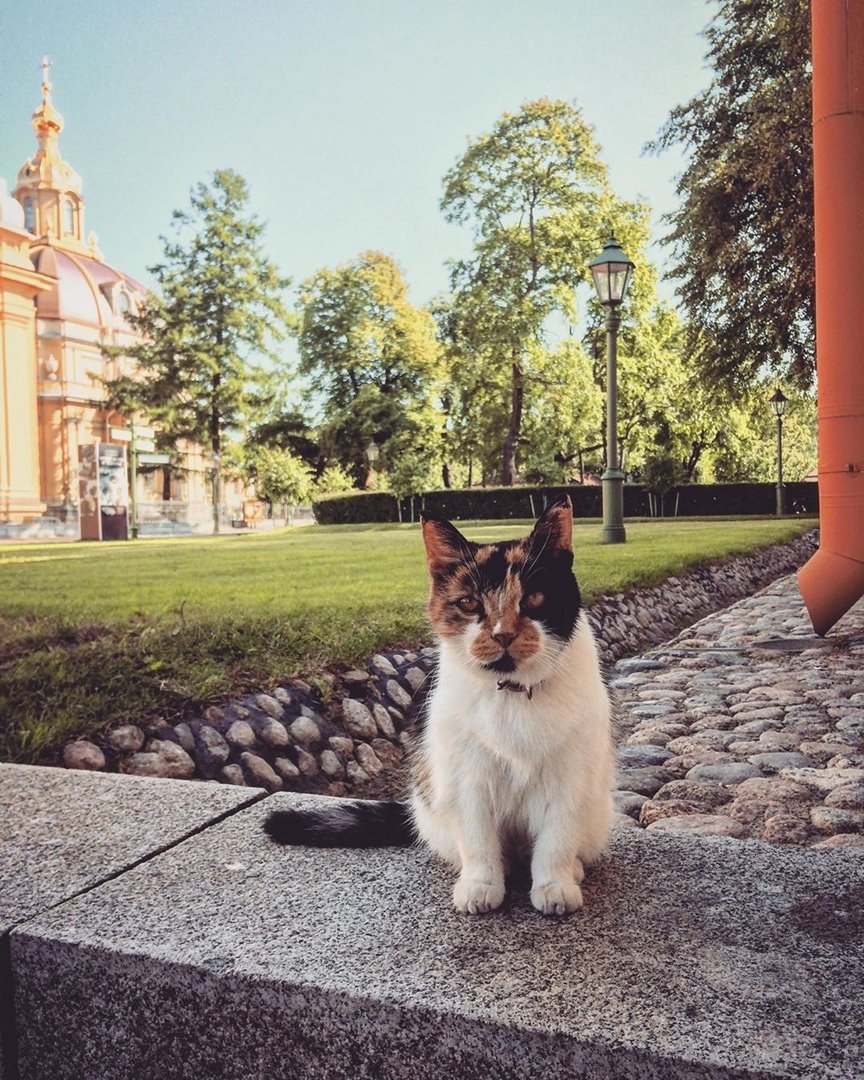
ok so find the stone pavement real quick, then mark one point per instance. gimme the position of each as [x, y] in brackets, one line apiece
[746, 725]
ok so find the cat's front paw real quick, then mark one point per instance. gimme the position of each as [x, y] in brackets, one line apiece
[557, 897]
[476, 897]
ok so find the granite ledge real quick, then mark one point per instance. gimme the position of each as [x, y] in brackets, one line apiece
[693, 958]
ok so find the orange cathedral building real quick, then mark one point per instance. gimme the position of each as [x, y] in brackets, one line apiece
[60, 301]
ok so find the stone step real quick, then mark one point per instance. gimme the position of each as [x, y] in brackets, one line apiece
[228, 957]
[64, 832]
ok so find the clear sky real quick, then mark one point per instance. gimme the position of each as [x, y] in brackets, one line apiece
[343, 115]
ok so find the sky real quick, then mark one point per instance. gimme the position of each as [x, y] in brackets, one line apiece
[342, 115]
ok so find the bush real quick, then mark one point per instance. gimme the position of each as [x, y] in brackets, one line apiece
[694, 500]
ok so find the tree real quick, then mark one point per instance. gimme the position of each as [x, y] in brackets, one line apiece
[280, 477]
[217, 315]
[370, 358]
[743, 234]
[536, 193]
[334, 480]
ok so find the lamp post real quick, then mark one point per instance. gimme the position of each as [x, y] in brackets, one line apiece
[778, 407]
[611, 271]
[372, 452]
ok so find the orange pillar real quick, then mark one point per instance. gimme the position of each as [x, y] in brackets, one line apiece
[833, 579]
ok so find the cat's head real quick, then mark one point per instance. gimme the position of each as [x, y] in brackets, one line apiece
[507, 608]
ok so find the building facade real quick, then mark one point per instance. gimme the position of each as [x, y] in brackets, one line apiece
[60, 303]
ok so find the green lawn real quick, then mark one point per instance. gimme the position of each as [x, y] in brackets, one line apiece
[93, 633]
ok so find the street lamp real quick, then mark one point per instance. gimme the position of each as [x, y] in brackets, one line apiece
[372, 452]
[778, 407]
[611, 271]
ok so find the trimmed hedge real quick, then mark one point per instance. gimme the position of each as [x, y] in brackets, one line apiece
[694, 500]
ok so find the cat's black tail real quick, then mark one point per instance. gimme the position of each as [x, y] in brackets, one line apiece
[358, 824]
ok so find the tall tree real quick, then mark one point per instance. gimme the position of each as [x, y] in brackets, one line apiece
[371, 360]
[217, 315]
[743, 233]
[536, 193]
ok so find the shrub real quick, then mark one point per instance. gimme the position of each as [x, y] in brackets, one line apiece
[694, 500]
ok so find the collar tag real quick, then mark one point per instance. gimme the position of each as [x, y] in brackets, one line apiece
[516, 688]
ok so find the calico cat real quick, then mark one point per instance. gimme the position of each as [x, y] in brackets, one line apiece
[512, 747]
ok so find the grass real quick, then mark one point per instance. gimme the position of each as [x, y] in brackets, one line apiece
[93, 634]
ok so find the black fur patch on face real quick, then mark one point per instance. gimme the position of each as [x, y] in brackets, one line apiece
[552, 576]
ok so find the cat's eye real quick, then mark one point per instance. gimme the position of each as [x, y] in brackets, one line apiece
[469, 604]
[534, 600]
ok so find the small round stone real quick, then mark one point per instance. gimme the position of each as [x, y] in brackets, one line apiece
[654, 811]
[852, 841]
[286, 768]
[368, 760]
[358, 720]
[383, 665]
[388, 753]
[645, 780]
[304, 730]
[241, 735]
[700, 825]
[270, 705]
[846, 797]
[83, 754]
[342, 745]
[127, 738]
[162, 758]
[730, 772]
[415, 677]
[355, 773]
[774, 761]
[637, 756]
[783, 828]
[705, 793]
[185, 737]
[232, 774]
[400, 698]
[306, 762]
[272, 733]
[628, 802]
[384, 721]
[835, 820]
[259, 773]
[331, 766]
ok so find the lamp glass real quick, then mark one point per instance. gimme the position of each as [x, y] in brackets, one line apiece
[611, 272]
[778, 402]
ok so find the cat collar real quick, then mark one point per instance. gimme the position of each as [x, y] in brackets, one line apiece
[517, 688]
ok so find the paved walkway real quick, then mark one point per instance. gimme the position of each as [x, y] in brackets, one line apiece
[747, 725]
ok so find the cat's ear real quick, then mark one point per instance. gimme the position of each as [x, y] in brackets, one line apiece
[554, 527]
[444, 543]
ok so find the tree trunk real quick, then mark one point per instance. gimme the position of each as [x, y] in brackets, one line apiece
[445, 475]
[216, 447]
[511, 442]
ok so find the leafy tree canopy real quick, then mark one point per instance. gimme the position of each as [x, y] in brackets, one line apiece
[536, 194]
[370, 357]
[217, 315]
[743, 234]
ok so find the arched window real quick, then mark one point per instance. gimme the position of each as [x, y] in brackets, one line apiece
[124, 305]
[68, 217]
[29, 216]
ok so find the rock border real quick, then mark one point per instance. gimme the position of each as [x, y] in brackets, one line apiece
[346, 734]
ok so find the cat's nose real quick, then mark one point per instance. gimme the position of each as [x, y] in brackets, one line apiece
[503, 639]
